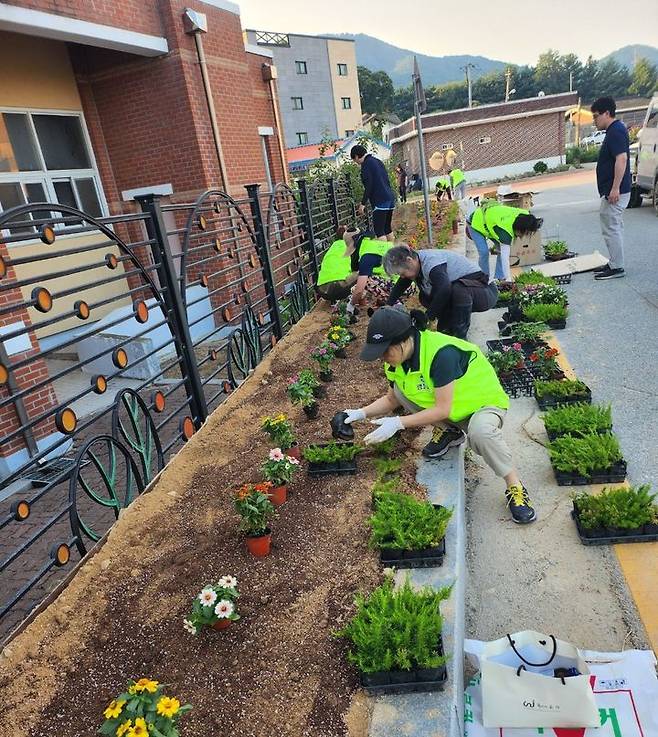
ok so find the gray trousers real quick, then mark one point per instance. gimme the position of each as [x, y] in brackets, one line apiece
[483, 430]
[612, 228]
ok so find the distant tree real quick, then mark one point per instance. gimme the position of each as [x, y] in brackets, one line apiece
[645, 78]
[551, 73]
[376, 89]
[588, 80]
[523, 81]
[612, 79]
[403, 102]
[490, 88]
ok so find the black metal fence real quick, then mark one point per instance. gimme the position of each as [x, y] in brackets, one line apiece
[118, 336]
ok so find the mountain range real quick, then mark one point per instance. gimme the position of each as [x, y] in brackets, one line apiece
[436, 70]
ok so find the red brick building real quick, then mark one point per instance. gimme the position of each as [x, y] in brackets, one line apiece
[490, 140]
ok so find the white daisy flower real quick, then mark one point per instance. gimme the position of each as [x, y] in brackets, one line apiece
[189, 626]
[228, 582]
[224, 609]
[207, 597]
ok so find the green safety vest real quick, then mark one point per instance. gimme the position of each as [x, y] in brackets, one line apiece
[442, 183]
[456, 177]
[492, 215]
[335, 266]
[477, 388]
[378, 248]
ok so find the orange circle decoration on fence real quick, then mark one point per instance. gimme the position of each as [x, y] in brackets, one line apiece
[212, 354]
[272, 340]
[186, 428]
[111, 261]
[203, 281]
[81, 309]
[120, 358]
[227, 387]
[202, 222]
[3, 268]
[290, 270]
[47, 234]
[158, 401]
[252, 261]
[4, 374]
[141, 311]
[20, 510]
[218, 245]
[261, 319]
[42, 299]
[99, 384]
[61, 554]
[227, 314]
[230, 253]
[66, 421]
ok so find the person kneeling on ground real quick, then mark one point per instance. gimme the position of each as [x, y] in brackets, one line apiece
[366, 254]
[336, 277]
[451, 286]
[445, 382]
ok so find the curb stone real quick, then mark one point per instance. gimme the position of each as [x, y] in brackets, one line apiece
[439, 712]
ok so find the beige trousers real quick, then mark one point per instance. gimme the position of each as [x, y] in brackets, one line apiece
[483, 430]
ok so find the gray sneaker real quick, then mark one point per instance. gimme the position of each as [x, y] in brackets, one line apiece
[609, 273]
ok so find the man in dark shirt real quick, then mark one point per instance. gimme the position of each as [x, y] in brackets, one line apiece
[377, 191]
[613, 179]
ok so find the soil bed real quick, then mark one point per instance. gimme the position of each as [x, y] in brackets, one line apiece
[278, 671]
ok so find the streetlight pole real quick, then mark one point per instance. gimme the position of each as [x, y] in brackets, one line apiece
[467, 68]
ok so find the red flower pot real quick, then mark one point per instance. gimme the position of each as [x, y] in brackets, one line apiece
[259, 545]
[222, 624]
[294, 452]
[278, 495]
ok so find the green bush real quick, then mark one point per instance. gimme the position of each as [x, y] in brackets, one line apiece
[388, 486]
[545, 313]
[384, 450]
[585, 454]
[529, 332]
[396, 629]
[402, 523]
[627, 508]
[533, 277]
[541, 294]
[540, 167]
[556, 248]
[560, 388]
[387, 466]
[578, 419]
[331, 453]
[582, 154]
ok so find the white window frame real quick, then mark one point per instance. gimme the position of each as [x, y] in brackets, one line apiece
[446, 146]
[302, 133]
[484, 139]
[349, 100]
[298, 63]
[342, 65]
[47, 177]
[294, 103]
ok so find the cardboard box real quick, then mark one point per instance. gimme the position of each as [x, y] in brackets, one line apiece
[528, 250]
[518, 199]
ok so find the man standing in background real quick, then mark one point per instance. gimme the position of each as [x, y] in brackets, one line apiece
[613, 179]
[377, 191]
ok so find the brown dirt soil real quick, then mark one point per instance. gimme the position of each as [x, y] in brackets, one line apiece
[278, 671]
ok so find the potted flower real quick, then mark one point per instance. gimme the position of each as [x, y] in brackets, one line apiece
[507, 360]
[340, 337]
[214, 606]
[279, 428]
[143, 710]
[300, 393]
[279, 469]
[324, 355]
[252, 502]
[308, 377]
[543, 364]
[557, 250]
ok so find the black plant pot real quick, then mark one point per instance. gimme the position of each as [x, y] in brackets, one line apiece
[312, 410]
[340, 429]
[327, 375]
[319, 392]
[341, 353]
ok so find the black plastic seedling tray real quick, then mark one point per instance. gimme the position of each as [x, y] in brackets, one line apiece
[554, 435]
[511, 316]
[568, 254]
[607, 536]
[424, 558]
[613, 475]
[336, 468]
[418, 680]
[520, 383]
[563, 279]
[549, 401]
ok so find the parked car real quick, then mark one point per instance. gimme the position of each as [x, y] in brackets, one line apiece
[644, 166]
[594, 139]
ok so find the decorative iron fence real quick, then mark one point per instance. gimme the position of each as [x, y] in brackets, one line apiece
[118, 336]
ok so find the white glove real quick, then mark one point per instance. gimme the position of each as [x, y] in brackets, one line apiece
[388, 426]
[354, 415]
[350, 308]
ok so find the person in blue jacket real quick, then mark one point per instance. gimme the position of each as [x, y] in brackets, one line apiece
[377, 191]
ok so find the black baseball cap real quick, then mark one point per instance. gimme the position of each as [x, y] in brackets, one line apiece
[386, 326]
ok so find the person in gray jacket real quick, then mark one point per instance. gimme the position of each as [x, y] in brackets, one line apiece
[451, 286]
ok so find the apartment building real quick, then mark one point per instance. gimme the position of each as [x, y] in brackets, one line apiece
[318, 85]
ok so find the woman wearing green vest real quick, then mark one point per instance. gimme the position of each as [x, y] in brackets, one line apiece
[500, 224]
[445, 382]
[336, 278]
[458, 183]
[366, 253]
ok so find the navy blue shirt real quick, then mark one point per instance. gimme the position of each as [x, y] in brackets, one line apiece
[614, 143]
[376, 184]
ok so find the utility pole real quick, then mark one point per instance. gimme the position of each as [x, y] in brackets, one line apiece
[467, 68]
[508, 80]
[420, 106]
[570, 81]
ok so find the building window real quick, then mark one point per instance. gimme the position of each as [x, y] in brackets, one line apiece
[347, 103]
[484, 139]
[342, 70]
[446, 146]
[46, 157]
[302, 138]
[349, 134]
[297, 103]
[300, 67]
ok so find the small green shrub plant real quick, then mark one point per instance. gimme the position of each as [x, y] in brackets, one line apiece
[623, 507]
[578, 419]
[545, 312]
[545, 294]
[560, 389]
[387, 466]
[401, 522]
[331, 453]
[554, 249]
[528, 332]
[300, 390]
[396, 629]
[540, 167]
[585, 454]
[533, 277]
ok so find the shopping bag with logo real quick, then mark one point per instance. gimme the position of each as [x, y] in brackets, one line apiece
[534, 680]
[624, 685]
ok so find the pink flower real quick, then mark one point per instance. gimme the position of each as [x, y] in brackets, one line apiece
[516, 346]
[292, 460]
[323, 351]
[276, 454]
[506, 349]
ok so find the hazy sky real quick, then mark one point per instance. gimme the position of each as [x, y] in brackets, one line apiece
[509, 30]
